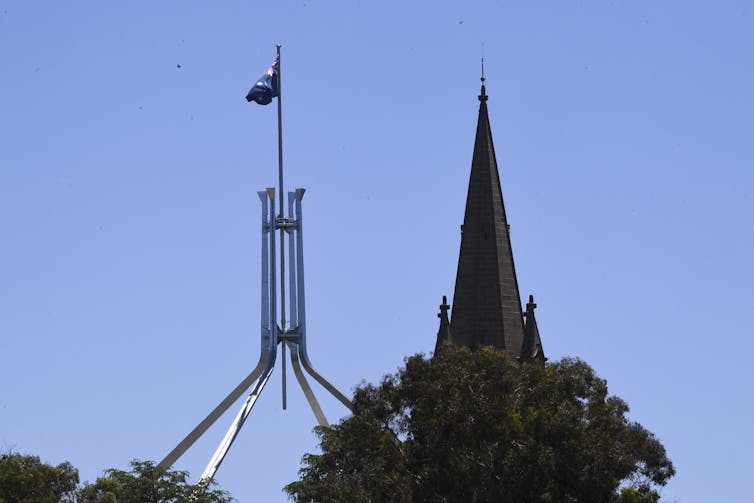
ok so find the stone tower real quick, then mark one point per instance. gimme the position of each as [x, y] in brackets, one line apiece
[486, 302]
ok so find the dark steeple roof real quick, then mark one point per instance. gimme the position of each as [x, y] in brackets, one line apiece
[486, 302]
[443, 334]
[531, 348]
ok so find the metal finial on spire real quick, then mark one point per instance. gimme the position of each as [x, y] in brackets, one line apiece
[483, 94]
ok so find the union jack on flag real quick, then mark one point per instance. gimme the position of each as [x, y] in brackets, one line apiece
[266, 87]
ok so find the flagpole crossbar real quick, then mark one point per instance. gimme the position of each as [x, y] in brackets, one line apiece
[272, 334]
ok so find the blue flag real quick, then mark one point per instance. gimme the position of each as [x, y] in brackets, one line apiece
[266, 87]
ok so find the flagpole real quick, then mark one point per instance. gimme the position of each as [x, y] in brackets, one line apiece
[281, 214]
[280, 134]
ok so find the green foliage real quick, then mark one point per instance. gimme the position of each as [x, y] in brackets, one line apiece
[25, 479]
[146, 483]
[642, 494]
[475, 426]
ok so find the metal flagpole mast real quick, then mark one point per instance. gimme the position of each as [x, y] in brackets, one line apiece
[293, 337]
[281, 215]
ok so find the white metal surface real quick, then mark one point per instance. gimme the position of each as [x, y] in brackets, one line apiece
[294, 336]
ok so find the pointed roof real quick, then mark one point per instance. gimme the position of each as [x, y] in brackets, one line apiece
[531, 347]
[443, 333]
[486, 301]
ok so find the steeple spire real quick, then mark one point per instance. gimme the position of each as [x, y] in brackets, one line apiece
[443, 334]
[531, 347]
[486, 301]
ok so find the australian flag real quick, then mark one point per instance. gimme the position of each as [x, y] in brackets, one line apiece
[266, 87]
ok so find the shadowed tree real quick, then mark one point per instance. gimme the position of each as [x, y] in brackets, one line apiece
[475, 426]
[145, 483]
[25, 479]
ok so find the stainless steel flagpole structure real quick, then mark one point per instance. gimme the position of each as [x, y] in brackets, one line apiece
[290, 333]
[281, 214]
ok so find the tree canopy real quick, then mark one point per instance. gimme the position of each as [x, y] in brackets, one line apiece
[475, 426]
[25, 479]
[145, 483]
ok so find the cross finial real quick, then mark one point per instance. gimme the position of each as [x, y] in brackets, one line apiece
[483, 95]
[444, 307]
[531, 305]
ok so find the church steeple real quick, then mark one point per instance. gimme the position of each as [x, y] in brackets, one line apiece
[443, 334]
[486, 301]
[531, 347]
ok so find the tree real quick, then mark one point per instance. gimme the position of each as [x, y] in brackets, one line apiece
[475, 426]
[146, 483]
[642, 494]
[25, 479]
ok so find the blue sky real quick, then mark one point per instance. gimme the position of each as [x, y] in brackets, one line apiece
[129, 221]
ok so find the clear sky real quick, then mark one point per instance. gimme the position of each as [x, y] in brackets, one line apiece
[129, 221]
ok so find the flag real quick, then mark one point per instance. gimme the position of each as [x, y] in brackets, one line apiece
[266, 87]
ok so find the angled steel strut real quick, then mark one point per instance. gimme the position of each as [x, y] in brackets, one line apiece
[293, 337]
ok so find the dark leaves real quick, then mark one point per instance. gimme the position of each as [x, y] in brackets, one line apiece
[145, 483]
[25, 479]
[475, 426]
